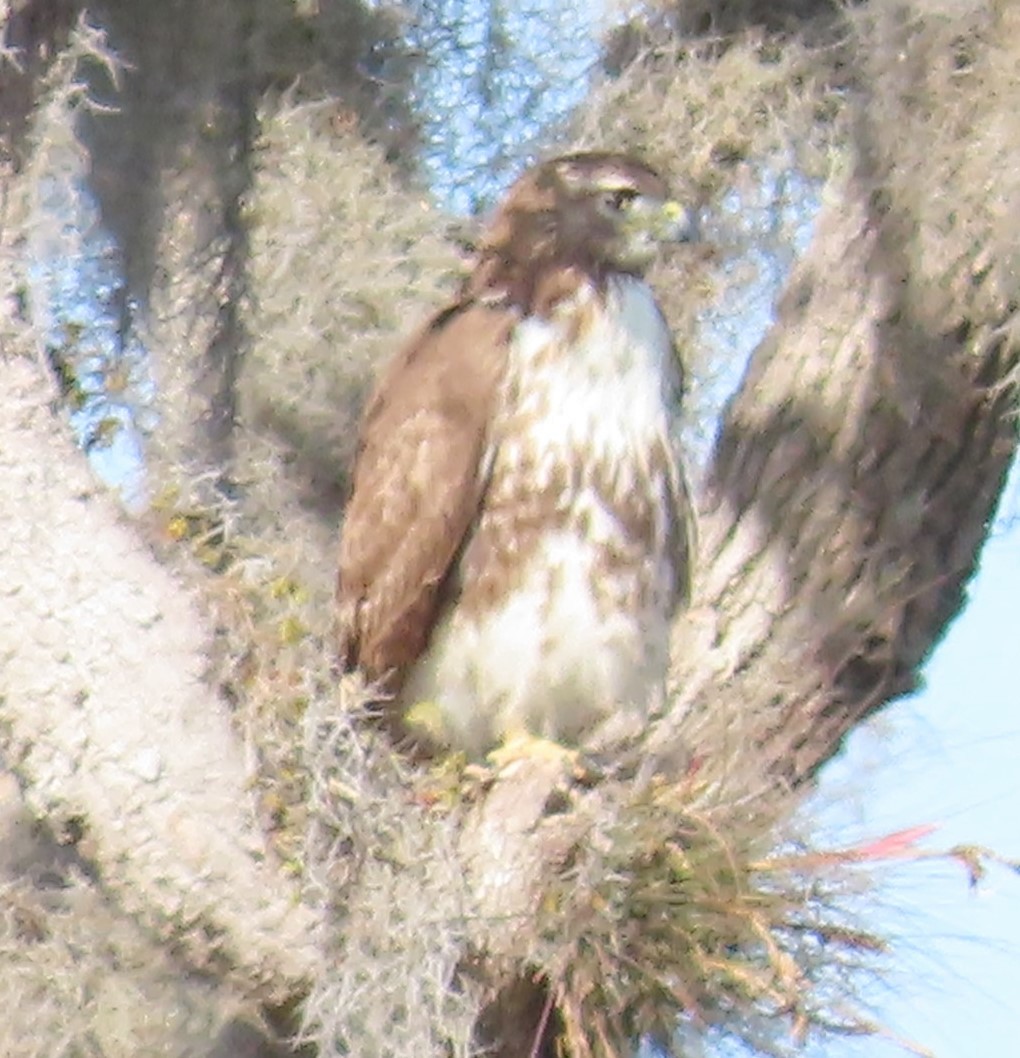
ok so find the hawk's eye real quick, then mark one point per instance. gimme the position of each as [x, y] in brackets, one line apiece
[620, 199]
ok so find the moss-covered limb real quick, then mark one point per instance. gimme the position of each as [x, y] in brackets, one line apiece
[80, 976]
[109, 723]
[345, 259]
[859, 465]
[851, 491]
[565, 917]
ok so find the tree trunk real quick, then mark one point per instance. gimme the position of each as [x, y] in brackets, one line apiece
[851, 489]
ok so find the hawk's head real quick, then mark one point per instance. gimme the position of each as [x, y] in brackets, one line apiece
[596, 212]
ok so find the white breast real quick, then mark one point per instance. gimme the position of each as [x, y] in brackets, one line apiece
[578, 636]
[618, 382]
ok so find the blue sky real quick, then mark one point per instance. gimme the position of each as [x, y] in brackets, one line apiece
[949, 755]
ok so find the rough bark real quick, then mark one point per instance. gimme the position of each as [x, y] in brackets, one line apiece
[119, 742]
[31, 32]
[852, 486]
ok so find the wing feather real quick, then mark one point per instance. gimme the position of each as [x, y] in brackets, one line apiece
[418, 482]
[682, 537]
[682, 540]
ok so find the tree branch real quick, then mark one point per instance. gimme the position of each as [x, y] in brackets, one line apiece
[834, 544]
[108, 722]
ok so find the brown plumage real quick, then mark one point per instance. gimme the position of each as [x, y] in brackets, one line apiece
[518, 536]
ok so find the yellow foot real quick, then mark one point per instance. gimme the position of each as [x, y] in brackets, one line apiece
[424, 721]
[519, 745]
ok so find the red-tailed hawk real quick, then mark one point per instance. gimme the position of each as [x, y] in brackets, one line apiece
[518, 536]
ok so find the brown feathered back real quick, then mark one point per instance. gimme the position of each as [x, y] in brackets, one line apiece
[417, 483]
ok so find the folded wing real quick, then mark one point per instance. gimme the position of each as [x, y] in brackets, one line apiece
[418, 482]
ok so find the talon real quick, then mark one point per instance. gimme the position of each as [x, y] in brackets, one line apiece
[519, 745]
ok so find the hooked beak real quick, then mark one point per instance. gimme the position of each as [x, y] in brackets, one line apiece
[676, 223]
[648, 226]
